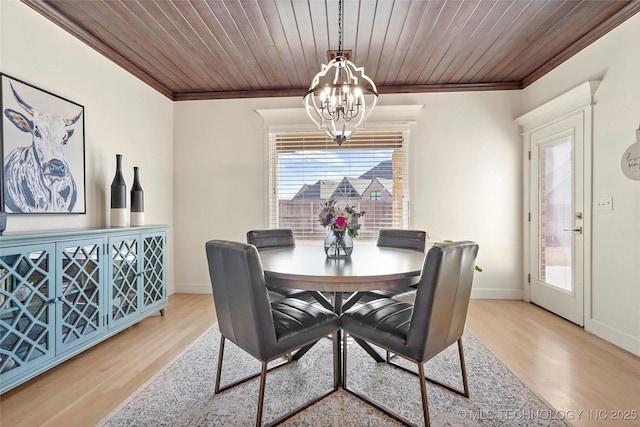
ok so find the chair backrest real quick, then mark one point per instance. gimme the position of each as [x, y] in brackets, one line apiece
[275, 238]
[240, 295]
[405, 239]
[442, 297]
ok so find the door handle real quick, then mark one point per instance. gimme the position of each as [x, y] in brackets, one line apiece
[576, 230]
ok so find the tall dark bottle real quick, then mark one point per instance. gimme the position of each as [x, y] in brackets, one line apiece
[118, 196]
[3, 221]
[137, 200]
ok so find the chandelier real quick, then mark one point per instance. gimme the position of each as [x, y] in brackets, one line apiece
[341, 96]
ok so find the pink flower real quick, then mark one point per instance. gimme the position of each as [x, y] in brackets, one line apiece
[341, 222]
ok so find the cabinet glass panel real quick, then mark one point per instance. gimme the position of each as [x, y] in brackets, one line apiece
[153, 270]
[80, 299]
[124, 273]
[25, 307]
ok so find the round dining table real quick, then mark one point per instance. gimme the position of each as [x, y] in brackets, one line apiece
[368, 268]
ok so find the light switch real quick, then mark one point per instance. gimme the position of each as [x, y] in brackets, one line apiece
[604, 203]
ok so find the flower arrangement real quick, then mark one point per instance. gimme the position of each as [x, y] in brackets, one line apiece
[340, 219]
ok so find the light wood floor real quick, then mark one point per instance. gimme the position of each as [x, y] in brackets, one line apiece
[570, 368]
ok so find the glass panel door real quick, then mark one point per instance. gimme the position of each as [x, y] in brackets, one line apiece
[555, 212]
[26, 309]
[556, 200]
[80, 300]
[125, 277]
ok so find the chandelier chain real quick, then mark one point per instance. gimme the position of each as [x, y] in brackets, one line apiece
[340, 28]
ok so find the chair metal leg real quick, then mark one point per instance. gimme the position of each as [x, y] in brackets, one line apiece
[219, 371]
[336, 370]
[463, 367]
[219, 389]
[362, 396]
[263, 380]
[421, 376]
[465, 383]
[423, 392]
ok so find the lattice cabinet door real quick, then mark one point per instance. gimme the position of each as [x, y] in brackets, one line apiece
[27, 287]
[125, 270]
[80, 302]
[154, 267]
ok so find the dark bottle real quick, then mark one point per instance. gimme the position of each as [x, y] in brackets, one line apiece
[137, 200]
[3, 221]
[118, 196]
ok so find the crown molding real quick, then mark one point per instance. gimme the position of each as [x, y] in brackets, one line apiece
[569, 102]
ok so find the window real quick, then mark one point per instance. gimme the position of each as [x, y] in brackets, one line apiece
[369, 172]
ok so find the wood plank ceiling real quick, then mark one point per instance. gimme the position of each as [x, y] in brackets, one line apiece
[219, 49]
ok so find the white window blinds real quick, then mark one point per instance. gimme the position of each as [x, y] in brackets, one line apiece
[369, 171]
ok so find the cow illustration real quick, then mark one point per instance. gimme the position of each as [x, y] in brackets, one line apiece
[37, 177]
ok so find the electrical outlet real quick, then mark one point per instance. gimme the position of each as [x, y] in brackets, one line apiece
[604, 204]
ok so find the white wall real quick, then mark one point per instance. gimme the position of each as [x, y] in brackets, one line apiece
[615, 60]
[122, 115]
[465, 167]
[220, 164]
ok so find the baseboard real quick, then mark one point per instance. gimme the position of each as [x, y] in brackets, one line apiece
[193, 288]
[205, 288]
[496, 294]
[615, 336]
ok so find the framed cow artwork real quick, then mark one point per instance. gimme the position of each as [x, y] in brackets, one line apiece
[42, 151]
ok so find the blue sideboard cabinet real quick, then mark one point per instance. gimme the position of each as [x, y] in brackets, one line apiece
[62, 292]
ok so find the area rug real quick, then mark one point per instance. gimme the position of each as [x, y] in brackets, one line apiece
[181, 394]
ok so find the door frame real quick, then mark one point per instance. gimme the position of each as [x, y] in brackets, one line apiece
[566, 303]
[576, 101]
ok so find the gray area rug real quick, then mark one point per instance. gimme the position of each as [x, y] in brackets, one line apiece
[181, 394]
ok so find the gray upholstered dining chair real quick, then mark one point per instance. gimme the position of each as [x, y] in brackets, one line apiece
[271, 238]
[406, 239]
[266, 330]
[420, 331]
[402, 239]
[282, 238]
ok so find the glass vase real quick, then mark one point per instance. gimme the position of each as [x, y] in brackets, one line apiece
[338, 244]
